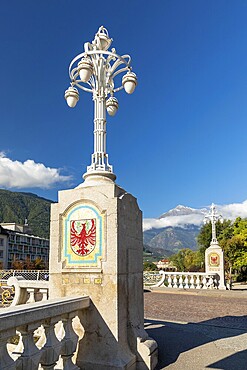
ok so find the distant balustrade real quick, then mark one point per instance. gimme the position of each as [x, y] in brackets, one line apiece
[151, 278]
[181, 280]
[17, 290]
[40, 335]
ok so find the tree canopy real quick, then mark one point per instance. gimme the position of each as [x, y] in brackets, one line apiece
[187, 260]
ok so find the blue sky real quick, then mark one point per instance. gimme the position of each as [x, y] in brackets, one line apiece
[179, 139]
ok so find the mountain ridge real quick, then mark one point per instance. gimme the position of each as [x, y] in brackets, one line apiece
[19, 206]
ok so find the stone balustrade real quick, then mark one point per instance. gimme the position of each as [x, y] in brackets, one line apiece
[181, 280]
[43, 333]
[23, 291]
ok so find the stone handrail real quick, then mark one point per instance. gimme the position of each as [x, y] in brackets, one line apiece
[181, 280]
[50, 324]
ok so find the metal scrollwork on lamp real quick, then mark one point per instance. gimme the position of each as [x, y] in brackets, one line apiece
[94, 71]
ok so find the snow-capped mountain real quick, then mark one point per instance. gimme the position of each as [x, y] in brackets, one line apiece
[180, 216]
[173, 230]
[181, 210]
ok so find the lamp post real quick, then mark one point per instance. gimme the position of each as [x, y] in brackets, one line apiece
[94, 71]
[213, 216]
[214, 256]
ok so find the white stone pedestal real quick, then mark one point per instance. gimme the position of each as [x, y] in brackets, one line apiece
[109, 271]
[214, 262]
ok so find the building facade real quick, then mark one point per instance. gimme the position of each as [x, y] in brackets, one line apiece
[3, 248]
[17, 244]
[166, 265]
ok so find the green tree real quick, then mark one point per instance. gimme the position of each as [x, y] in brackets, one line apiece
[149, 266]
[187, 260]
[204, 237]
[234, 245]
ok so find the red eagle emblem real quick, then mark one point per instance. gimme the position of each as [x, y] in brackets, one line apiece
[83, 236]
[214, 259]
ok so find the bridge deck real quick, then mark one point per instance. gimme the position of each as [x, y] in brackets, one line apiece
[199, 330]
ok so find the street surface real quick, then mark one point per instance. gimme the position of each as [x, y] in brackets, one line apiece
[198, 330]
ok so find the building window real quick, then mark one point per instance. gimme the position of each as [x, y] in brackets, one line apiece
[12, 237]
[1, 242]
[1, 254]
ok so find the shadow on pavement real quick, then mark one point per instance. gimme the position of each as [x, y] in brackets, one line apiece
[175, 339]
[233, 362]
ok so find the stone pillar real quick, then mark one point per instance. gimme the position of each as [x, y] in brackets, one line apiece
[96, 249]
[214, 262]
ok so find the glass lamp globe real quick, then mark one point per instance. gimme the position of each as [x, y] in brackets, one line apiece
[112, 106]
[129, 82]
[103, 41]
[85, 69]
[71, 96]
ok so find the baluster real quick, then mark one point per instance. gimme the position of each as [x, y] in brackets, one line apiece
[198, 281]
[40, 333]
[181, 282]
[175, 281]
[186, 281]
[44, 293]
[69, 343]
[29, 359]
[52, 348]
[6, 362]
[204, 282]
[169, 281]
[19, 348]
[210, 282]
[31, 298]
[216, 282]
[192, 284]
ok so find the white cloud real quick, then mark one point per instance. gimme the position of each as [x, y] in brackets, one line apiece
[15, 174]
[228, 211]
[234, 210]
[181, 221]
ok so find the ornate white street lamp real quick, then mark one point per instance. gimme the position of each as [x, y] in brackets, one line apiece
[94, 71]
[213, 216]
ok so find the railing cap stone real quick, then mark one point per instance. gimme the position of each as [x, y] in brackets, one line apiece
[13, 317]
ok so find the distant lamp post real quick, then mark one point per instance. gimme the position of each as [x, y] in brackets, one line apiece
[97, 68]
[213, 216]
[214, 255]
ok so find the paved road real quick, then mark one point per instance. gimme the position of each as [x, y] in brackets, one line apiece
[200, 330]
